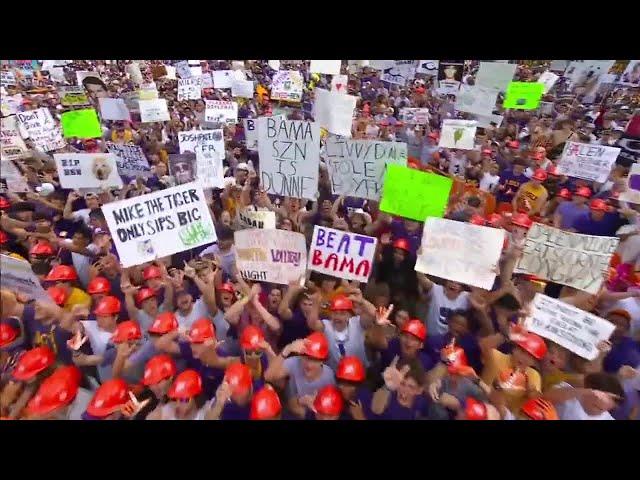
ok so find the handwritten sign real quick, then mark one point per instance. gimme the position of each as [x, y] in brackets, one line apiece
[548, 79]
[263, 219]
[341, 254]
[182, 69]
[400, 72]
[523, 95]
[242, 88]
[339, 83]
[251, 133]
[209, 169]
[357, 167]
[159, 224]
[222, 78]
[10, 104]
[579, 261]
[39, 126]
[218, 111]
[419, 116]
[287, 85]
[591, 162]
[17, 276]
[289, 157]
[462, 252]
[7, 78]
[81, 124]
[327, 67]
[12, 147]
[190, 88]
[113, 109]
[334, 111]
[495, 75]
[458, 134]
[130, 159]
[414, 194]
[274, 256]
[428, 67]
[476, 99]
[206, 80]
[73, 96]
[87, 170]
[154, 110]
[632, 192]
[201, 140]
[568, 326]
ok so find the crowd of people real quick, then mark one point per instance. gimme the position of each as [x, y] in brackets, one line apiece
[186, 337]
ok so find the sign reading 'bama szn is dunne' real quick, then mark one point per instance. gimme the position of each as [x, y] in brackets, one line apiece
[341, 254]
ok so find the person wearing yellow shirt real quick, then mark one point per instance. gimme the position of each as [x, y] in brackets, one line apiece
[63, 277]
[531, 197]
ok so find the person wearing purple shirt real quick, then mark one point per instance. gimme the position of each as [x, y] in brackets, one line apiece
[510, 182]
[402, 395]
[294, 322]
[406, 347]
[624, 350]
[598, 221]
[45, 330]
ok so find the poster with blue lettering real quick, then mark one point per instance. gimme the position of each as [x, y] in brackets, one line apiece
[289, 153]
[341, 254]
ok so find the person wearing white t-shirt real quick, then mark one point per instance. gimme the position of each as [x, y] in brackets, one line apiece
[442, 301]
[602, 393]
[490, 179]
[458, 163]
[91, 199]
[190, 311]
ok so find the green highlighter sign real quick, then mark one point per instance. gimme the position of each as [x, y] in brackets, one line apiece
[81, 124]
[414, 194]
[523, 95]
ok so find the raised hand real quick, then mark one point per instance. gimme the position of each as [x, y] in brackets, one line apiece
[189, 271]
[133, 406]
[382, 315]
[77, 341]
[223, 393]
[393, 376]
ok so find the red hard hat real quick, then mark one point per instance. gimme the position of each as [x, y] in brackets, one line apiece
[416, 328]
[477, 220]
[227, 287]
[7, 334]
[144, 294]
[157, 369]
[402, 244]
[329, 401]
[565, 193]
[475, 410]
[251, 338]
[62, 273]
[533, 344]
[56, 391]
[70, 372]
[186, 385]
[202, 330]
[317, 346]
[351, 369]
[151, 272]
[126, 331]
[341, 303]
[109, 398]
[4, 203]
[265, 404]
[99, 285]
[539, 409]
[42, 248]
[598, 205]
[521, 220]
[164, 323]
[495, 219]
[58, 295]
[238, 376]
[32, 362]
[583, 192]
[539, 174]
[107, 306]
[4, 238]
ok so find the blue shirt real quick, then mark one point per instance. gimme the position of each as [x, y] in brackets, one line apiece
[393, 349]
[606, 227]
[625, 352]
[468, 343]
[569, 212]
[395, 411]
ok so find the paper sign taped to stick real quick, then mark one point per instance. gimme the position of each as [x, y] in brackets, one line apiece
[130, 159]
[190, 88]
[591, 162]
[12, 147]
[414, 194]
[459, 134]
[419, 116]
[81, 124]
[209, 169]
[495, 75]
[523, 95]
[548, 79]
[73, 96]
[289, 157]
[579, 261]
[287, 85]
[341, 254]
[274, 256]
[461, 252]
[87, 170]
[114, 109]
[632, 193]
[334, 111]
[201, 140]
[38, 125]
[476, 99]
[154, 110]
[357, 167]
[568, 326]
[17, 276]
[159, 224]
[242, 88]
[262, 219]
[327, 67]
[218, 111]
[11, 180]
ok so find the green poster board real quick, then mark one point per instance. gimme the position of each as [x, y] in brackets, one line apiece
[81, 124]
[523, 95]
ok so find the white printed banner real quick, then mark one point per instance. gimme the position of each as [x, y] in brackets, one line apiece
[87, 170]
[459, 134]
[327, 67]
[476, 99]
[334, 111]
[263, 219]
[287, 85]
[218, 111]
[17, 276]
[242, 88]
[113, 109]
[341, 254]
[202, 140]
[273, 256]
[160, 223]
[568, 326]
[495, 75]
[39, 126]
[130, 159]
[12, 147]
[154, 110]
[222, 78]
[591, 162]
[400, 72]
[190, 88]
[461, 252]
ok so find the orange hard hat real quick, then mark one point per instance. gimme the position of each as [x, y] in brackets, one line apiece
[158, 368]
[42, 249]
[341, 303]
[238, 376]
[186, 385]
[564, 193]
[533, 344]
[7, 334]
[539, 409]
[202, 330]
[477, 220]
[58, 295]
[251, 338]
[317, 346]
[539, 174]
[151, 272]
[583, 192]
[62, 273]
[144, 294]
[402, 244]
[56, 391]
[328, 401]
[475, 410]
[598, 205]
[522, 220]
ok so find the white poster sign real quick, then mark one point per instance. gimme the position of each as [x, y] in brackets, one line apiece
[428, 67]
[154, 110]
[334, 111]
[39, 126]
[10, 104]
[548, 79]
[206, 80]
[242, 88]
[485, 121]
[87, 170]
[591, 162]
[160, 223]
[190, 88]
[17, 276]
[381, 64]
[82, 74]
[287, 85]
[219, 111]
[264, 219]
[495, 75]
[632, 193]
[113, 109]
[400, 72]
[476, 99]
[459, 134]
[327, 67]
[251, 133]
[419, 116]
[182, 69]
[12, 146]
[11, 179]
[339, 83]
[7, 78]
[461, 252]
[209, 169]
[201, 140]
[130, 159]
[222, 78]
[274, 64]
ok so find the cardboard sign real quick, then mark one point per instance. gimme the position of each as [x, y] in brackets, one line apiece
[414, 194]
[419, 116]
[579, 261]
[357, 167]
[182, 69]
[287, 85]
[334, 111]
[87, 170]
[113, 109]
[263, 219]
[12, 147]
[341, 254]
[495, 75]
[400, 72]
[73, 96]
[274, 256]
[289, 157]
[201, 140]
[218, 111]
[523, 95]
[159, 224]
[38, 125]
[154, 110]
[251, 133]
[459, 134]
[428, 67]
[548, 79]
[326, 67]
[190, 88]
[632, 193]
[242, 88]
[461, 252]
[568, 326]
[81, 124]
[591, 162]
[11, 179]
[130, 159]
[209, 169]
[17, 276]
[339, 83]
[450, 76]
[182, 167]
[476, 99]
